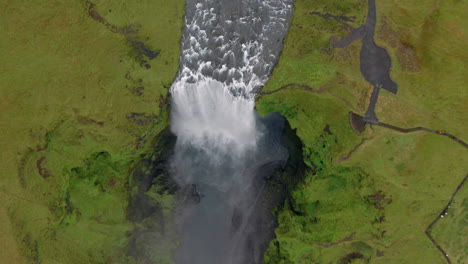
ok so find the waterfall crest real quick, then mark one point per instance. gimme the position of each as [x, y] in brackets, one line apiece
[223, 148]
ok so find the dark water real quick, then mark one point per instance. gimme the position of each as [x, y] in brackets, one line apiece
[224, 150]
[221, 219]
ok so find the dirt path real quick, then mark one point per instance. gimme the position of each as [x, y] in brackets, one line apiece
[375, 66]
[415, 129]
[399, 129]
[308, 89]
[344, 158]
[440, 216]
[355, 119]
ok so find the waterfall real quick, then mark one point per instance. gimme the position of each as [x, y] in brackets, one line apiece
[223, 147]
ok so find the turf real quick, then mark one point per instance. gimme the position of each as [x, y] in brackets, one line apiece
[369, 199]
[80, 107]
[77, 111]
[449, 230]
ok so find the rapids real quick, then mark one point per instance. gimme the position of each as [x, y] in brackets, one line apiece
[224, 150]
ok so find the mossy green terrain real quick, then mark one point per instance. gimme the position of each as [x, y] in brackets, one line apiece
[449, 230]
[370, 198]
[81, 104]
[78, 110]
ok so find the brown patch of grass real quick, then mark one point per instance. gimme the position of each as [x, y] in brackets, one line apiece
[45, 173]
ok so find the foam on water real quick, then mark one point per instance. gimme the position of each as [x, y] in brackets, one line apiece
[228, 50]
[207, 115]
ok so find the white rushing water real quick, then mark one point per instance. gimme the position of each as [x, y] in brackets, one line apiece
[207, 115]
[228, 50]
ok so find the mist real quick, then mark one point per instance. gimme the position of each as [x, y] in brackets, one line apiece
[224, 150]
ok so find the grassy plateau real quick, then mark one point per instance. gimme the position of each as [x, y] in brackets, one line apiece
[83, 93]
[370, 198]
[84, 106]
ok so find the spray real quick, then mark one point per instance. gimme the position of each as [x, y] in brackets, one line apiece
[224, 149]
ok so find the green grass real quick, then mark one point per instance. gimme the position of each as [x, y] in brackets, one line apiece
[381, 200]
[450, 230]
[68, 89]
[69, 86]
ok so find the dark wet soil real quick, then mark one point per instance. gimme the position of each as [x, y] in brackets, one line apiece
[346, 239]
[357, 123]
[379, 200]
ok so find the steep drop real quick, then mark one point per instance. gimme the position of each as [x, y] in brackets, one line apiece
[224, 149]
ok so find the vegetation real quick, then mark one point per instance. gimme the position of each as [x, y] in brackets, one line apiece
[83, 88]
[78, 110]
[449, 230]
[370, 199]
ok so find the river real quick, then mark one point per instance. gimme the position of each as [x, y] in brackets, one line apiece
[224, 150]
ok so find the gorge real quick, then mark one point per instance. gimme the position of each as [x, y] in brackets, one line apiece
[224, 149]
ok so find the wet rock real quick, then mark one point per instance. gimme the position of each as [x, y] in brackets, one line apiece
[281, 180]
[151, 174]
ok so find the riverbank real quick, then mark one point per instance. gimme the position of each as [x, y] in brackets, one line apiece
[85, 104]
[375, 205]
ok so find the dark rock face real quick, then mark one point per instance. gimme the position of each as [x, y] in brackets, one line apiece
[280, 182]
[144, 210]
[251, 223]
[228, 50]
[275, 179]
